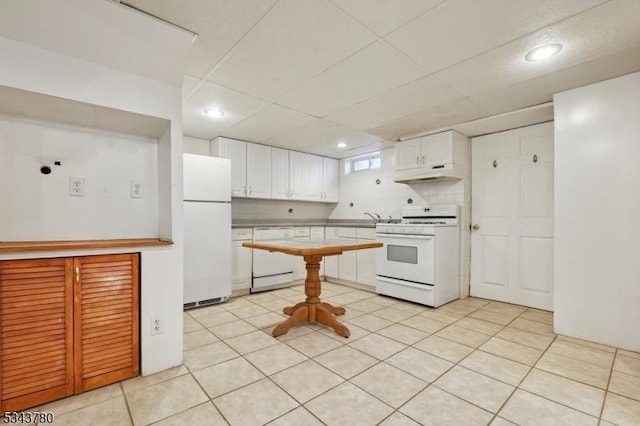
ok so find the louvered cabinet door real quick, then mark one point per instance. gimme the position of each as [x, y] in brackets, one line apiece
[36, 334]
[106, 319]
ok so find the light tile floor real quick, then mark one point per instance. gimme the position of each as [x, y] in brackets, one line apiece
[469, 362]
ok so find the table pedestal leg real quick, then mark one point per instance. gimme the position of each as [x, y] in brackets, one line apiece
[312, 309]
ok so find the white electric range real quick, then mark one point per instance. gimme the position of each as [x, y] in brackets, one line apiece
[420, 260]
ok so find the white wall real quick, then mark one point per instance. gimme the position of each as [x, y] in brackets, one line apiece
[597, 176]
[388, 198]
[30, 68]
[195, 146]
[38, 206]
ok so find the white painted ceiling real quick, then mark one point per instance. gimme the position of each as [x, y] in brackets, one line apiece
[306, 74]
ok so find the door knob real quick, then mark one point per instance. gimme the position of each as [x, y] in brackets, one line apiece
[476, 227]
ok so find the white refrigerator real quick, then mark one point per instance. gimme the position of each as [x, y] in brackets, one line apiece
[207, 230]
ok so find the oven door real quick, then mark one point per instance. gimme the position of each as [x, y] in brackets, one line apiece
[407, 257]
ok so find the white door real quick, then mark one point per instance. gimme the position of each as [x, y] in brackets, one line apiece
[279, 173]
[512, 216]
[407, 155]
[258, 171]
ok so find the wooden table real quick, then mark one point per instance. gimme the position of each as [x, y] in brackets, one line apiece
[312, 309]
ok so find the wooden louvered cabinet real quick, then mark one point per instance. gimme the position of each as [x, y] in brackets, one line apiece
[105, 320]
[67, 325]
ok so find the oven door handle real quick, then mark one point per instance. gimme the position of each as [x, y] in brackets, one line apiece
[409, 236]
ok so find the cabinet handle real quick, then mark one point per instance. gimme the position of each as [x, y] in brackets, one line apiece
[495, 164]
[245, 190]
[418, 159]
[535, 158]
[77, 273]
[250, 190]
[423, 159]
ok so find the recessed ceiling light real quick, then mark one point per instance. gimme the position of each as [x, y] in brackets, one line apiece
[341, 145]
[214, 112]
[543, 52]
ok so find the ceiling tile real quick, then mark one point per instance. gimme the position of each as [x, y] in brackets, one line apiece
[296, 40]
[612, 27]
[435, 118]
[369, 72]
[220, 24]
[460, 29]
[267, 123]
[399, 102]
[320, 137]
[236, 106]
[188, 84]
[384, 16]
[541, 89]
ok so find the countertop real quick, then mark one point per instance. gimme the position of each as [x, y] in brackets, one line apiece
[350, 223]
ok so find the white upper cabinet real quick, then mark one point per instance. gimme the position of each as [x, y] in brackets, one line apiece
[280, 173]
[298, 175]
[258, 171]
[236, 151]
[330, 179]
[408, 154]
[440, 156]
[315, 170]
[250, 166]
[261, 171]
[323, 179]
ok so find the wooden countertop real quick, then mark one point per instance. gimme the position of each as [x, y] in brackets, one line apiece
[313, 247]
[26, 246]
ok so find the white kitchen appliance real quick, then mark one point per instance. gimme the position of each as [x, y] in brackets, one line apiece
[207, 230]
[420, 260]
[271, 269]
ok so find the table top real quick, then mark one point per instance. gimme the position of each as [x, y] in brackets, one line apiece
[322, 247]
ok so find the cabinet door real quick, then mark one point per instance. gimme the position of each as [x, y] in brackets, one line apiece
[241, 276]
[279, 173]
[315, 184]
[36, 332]
[437, 149]
[298, 175]
[330, 179]
[106, 311]
[236, 151]
[258, 171]
[407, 155]
[366, 259]
[347, 266]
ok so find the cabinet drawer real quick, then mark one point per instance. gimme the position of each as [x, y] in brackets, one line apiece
[302, 232]
[242, 234]
[346, 232]
[366, 233]
[317, 232]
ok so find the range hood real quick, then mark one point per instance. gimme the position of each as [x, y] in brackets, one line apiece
[435, 173]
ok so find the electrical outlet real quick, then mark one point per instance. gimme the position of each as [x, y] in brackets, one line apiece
[157, 326]
[76, 187]
[137, 189]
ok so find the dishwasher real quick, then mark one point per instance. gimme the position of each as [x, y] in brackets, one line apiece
[270, 269]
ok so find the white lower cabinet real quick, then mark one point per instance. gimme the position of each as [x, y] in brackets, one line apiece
[299, 267]
[241, 259]
[366, 259]
[356, 266]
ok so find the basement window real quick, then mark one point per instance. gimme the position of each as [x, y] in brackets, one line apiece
[362, 163]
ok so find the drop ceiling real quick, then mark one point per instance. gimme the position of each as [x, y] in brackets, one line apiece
[307, 74]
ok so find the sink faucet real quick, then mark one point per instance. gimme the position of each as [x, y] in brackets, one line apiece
[374, 216]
